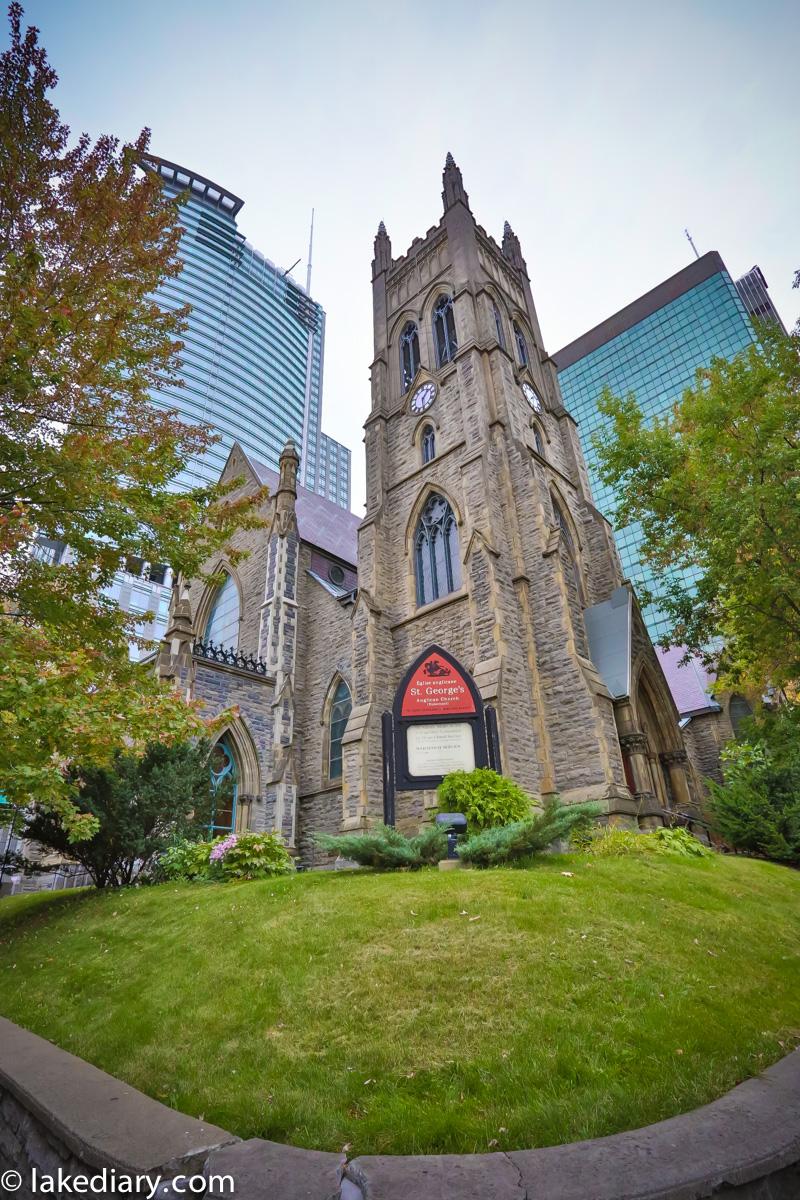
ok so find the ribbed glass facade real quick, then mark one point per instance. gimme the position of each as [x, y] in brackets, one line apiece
[655, 355]
[253, 352]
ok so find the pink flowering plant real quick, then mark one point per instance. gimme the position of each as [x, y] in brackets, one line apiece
[231, 856]
[221, 846]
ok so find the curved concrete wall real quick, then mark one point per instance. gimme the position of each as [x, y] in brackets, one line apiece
[58, 1111]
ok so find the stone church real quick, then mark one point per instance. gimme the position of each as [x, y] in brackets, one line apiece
[477, 615]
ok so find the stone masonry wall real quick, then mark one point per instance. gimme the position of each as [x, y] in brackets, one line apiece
[324, 654]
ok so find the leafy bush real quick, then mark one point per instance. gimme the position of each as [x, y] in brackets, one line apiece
[252, 856]
[234, 856]
[678, 841]
[607, 841]
[757, 809]
[506, 843]
[184, 860]
[386, 848]
[486, 799]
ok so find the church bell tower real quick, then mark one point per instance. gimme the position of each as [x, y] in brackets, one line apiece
[480, 540]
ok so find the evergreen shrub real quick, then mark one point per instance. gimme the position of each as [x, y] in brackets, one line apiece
[757, 809]
[386, 848]
[507, 843]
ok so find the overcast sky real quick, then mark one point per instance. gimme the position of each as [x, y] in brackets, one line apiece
[599, 130]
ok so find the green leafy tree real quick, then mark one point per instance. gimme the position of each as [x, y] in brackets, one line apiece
[714, 488]
[142, 805]
[757, 808]
[86, 237]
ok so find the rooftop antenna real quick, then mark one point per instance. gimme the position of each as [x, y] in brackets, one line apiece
[310, 248]
[691, 243]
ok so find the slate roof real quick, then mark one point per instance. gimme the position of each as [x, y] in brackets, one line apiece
[321, 522]
[689, 684]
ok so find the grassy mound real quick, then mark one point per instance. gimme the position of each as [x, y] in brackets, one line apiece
[424, 1012]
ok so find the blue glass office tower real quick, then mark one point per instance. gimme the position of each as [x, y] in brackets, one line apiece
[251, 366]
[253, 351]
[652, 348]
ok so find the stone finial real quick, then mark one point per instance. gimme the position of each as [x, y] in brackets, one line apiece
[453, 184]
[288, 463]
[286, 495]
[383, 251]
[511, 247]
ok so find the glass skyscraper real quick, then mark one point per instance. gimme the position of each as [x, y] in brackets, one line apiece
[251, 366]
[253, 351]
[652, 348]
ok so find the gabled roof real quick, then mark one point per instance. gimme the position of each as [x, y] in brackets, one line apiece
[320, 522]
[690, 683]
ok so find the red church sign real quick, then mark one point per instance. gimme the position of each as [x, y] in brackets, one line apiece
[437, 689]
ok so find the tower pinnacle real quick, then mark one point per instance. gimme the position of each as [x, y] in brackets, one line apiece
[453, 185]
[511, 248]
[383, 251]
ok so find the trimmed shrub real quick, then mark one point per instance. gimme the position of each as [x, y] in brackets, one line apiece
[486, 799]
[386, 848]
[504, 844]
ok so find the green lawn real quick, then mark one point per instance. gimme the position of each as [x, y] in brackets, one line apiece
[422, 1012]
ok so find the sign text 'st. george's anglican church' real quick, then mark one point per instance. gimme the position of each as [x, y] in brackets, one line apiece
[437, 689]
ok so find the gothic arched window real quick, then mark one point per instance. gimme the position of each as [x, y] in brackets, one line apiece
[409, 354]
[224, 788]
[428, 443]
[498, 324]
[538, 441]
[341, 707]
[436, 559]
[522, 346]
[222, 626]
[444, 330]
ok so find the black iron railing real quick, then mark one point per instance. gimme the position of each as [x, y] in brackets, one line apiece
[230, 658]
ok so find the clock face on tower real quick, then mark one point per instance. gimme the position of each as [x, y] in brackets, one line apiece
[423, 397]
[530, 395]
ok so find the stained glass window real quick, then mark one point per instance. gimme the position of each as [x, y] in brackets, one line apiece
[224, 788]
[437, 564]
[222, 626]
[522, 346]
[498, 324]
[409, 354]
[340, 715]
[444, 330]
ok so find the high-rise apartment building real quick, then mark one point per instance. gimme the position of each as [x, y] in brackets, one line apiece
[752, 288]
[653, 347]
[253, 351]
